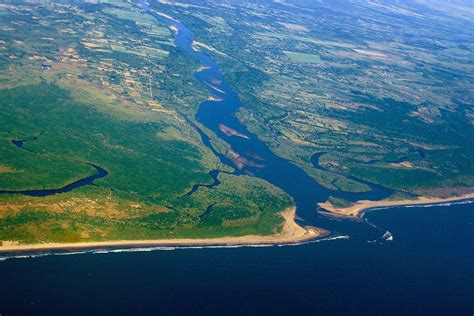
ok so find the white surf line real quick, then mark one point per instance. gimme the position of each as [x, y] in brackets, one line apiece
[104, 251]
[451, 203]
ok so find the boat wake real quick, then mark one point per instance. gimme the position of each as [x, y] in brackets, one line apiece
[388, 236]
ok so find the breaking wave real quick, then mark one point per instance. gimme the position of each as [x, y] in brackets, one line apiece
[461, 202]
[159, 248]
[331, 238]
[442, 204]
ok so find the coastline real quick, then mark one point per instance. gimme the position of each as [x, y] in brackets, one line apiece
[356, 211]
[291, 233]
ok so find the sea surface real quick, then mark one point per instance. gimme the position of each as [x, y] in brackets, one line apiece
[428, 269]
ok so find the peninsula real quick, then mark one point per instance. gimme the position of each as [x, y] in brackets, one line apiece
[355, 211]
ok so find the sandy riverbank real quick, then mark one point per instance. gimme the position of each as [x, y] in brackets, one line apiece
[359, 207]
[291, 233]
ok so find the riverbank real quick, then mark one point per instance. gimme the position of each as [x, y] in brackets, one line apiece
[355, 211]
[291, 233]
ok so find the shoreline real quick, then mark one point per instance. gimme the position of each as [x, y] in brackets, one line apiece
[291, 233]
[360, 207]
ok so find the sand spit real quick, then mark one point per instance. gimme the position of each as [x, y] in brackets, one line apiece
[359, 207]
[239, 161]
[215, 88]
[291, 233]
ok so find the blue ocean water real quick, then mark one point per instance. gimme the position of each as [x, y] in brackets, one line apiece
[428, 269]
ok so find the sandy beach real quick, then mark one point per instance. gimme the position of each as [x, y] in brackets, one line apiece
[291, 233]
[359, 207]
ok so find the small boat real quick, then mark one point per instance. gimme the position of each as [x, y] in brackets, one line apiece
[388, 236]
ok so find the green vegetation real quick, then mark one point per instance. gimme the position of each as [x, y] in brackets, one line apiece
[112, 92]
[385, 91]
[96, 213]
[159, 31]
[340, 203]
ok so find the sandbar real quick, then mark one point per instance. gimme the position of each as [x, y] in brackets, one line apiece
[360, 207]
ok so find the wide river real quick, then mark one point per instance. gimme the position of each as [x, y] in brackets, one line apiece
[254, 157]
[427, 269]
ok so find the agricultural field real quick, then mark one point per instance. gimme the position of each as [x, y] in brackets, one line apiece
[302, 57]
[385, 92]
[102, 83]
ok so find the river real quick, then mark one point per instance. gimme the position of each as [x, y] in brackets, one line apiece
[253, 157]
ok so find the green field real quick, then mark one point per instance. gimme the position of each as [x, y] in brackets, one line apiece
[302, 57]
[137, 17]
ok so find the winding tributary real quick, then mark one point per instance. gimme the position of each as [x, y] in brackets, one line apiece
[89, 180]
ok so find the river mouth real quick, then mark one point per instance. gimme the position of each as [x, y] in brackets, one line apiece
[247, 155]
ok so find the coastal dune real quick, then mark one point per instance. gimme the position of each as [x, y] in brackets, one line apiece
[359, 207]
[291, 233]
